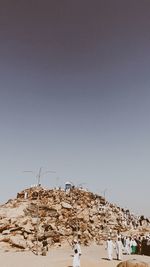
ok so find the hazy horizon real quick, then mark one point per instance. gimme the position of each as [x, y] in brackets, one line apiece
[74, 97]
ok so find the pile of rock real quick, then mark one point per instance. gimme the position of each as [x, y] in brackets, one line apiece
[58, 216]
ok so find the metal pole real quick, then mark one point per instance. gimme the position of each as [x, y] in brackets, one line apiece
[37, 229]
[37, 223]
[38, 202]
[38, 217]
[104, 192]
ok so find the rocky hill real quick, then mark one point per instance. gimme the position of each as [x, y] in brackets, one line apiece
[37, 214]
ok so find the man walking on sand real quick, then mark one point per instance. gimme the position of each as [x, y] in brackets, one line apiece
[77, 254]
[119, 248]
[109, 247]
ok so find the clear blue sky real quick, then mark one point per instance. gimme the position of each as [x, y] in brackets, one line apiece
[75, 97]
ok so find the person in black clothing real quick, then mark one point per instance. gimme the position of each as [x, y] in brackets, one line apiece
[144, 246]
[148, 247]
[45, 247]
[139, 245]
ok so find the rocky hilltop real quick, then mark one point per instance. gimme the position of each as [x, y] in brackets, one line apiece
[38, 214]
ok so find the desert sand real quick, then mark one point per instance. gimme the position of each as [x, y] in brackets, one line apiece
[92, 256]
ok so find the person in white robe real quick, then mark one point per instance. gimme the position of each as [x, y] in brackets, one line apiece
[109, 247]
[119, 249]
[128, 245]
[77, 254]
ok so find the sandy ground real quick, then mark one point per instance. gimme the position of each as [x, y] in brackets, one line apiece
[92, 256]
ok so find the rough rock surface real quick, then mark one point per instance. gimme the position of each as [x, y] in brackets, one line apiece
[58, 216]
[132, 263]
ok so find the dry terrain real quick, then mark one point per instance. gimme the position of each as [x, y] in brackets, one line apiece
[92, 256]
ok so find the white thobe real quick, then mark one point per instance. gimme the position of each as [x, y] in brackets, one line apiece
[109, 246]
[127, 246]
[76, 258]
[119, 248]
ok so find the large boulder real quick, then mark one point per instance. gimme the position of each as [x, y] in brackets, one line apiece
[133, 263]
[66, 205]
[18, 241]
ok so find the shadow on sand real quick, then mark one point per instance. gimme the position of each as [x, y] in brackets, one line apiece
[106, 259]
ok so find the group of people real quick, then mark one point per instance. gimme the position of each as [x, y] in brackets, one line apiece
[118, 246]
[122, 245]
[137, 245]
[128, 245]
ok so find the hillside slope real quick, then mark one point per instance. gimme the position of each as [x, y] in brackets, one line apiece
[61, 217]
